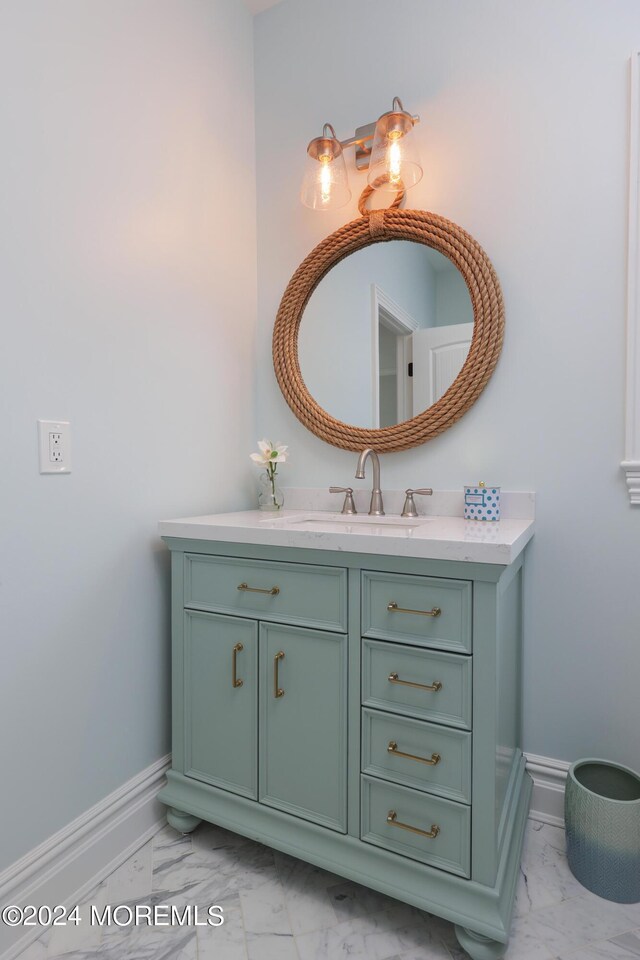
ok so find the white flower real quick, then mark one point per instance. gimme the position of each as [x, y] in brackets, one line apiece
[270, 453]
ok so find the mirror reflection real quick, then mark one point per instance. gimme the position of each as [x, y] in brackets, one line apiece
[385, 334]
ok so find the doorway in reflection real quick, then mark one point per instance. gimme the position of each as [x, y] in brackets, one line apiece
[391, 395]
[412, 365]
[388, 407]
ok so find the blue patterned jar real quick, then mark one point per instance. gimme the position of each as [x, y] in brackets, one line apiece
[482, 502]
[602, 818]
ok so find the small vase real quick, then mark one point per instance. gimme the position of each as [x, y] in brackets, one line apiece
[270, 496]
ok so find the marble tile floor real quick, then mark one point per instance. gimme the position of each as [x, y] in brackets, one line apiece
[279, 908]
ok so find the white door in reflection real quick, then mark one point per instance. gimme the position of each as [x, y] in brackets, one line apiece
[438, 356]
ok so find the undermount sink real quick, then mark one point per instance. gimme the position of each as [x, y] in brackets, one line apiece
[360, 523]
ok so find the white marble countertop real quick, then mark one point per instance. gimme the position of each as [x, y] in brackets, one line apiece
[428, 537]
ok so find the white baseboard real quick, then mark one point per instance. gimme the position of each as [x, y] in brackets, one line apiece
[549, 778]
[69, 864]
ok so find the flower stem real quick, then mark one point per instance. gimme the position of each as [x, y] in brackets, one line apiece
[272, 470]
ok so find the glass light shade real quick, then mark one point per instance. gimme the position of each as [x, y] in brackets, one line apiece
[395, 163]
[325, 185]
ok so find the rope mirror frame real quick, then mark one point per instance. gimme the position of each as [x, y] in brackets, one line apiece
[378, 226]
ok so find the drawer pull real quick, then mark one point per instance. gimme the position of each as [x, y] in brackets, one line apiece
[237, 682]
[394, 608]
[393, 748]
[271, 593]
[392, 820]
[435, 686]
[277, 690]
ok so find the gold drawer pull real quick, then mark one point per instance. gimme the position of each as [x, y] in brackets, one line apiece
[394, 608]
[271, 593]
[277, 690]
[435, 686]
[392, 820]
[237, 682]
[393, 748]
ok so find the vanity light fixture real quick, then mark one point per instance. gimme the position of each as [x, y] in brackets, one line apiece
[386, 147]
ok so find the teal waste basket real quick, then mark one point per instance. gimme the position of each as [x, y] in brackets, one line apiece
[602, 819]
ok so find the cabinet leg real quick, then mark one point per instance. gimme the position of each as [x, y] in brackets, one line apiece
[182, 822]
[479, 947]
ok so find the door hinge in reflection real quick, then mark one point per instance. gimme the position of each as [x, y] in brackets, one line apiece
[410, 369]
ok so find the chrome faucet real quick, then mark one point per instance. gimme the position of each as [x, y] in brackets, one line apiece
[376, 507]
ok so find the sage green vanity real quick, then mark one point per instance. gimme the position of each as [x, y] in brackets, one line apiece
[357, 710]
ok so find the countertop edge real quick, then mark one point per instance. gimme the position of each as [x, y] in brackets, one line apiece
[460, 550]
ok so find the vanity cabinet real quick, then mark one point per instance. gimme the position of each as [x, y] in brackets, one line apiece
[242, 676]
[359, 711]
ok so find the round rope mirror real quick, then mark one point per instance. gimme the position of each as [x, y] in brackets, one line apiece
[488, 328]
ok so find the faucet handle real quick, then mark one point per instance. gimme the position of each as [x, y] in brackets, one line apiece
[348, 506]
[409, 509]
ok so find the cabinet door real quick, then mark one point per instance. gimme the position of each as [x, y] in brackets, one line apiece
[221, 701]
[303, 733]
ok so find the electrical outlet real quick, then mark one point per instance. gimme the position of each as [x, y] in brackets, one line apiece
[54, 438]
[55, 447]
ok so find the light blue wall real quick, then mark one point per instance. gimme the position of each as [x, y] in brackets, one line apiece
[453, 303]
[524, 140]
[128, 305]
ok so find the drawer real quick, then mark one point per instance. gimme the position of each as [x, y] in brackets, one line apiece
[416, 682]
[417, 754]
[398, 818]
[425, 610]
[294, 593]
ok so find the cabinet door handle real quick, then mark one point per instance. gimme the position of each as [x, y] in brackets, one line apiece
[392, 820]
[273, 592]
[237, 682]
[394, 608]
[393, 748]
[435, 686]
[277, 690]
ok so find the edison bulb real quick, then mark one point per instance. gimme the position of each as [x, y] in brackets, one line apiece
[394, 161]
[325, 178]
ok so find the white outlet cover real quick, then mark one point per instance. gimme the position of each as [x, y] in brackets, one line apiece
[54, 446]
